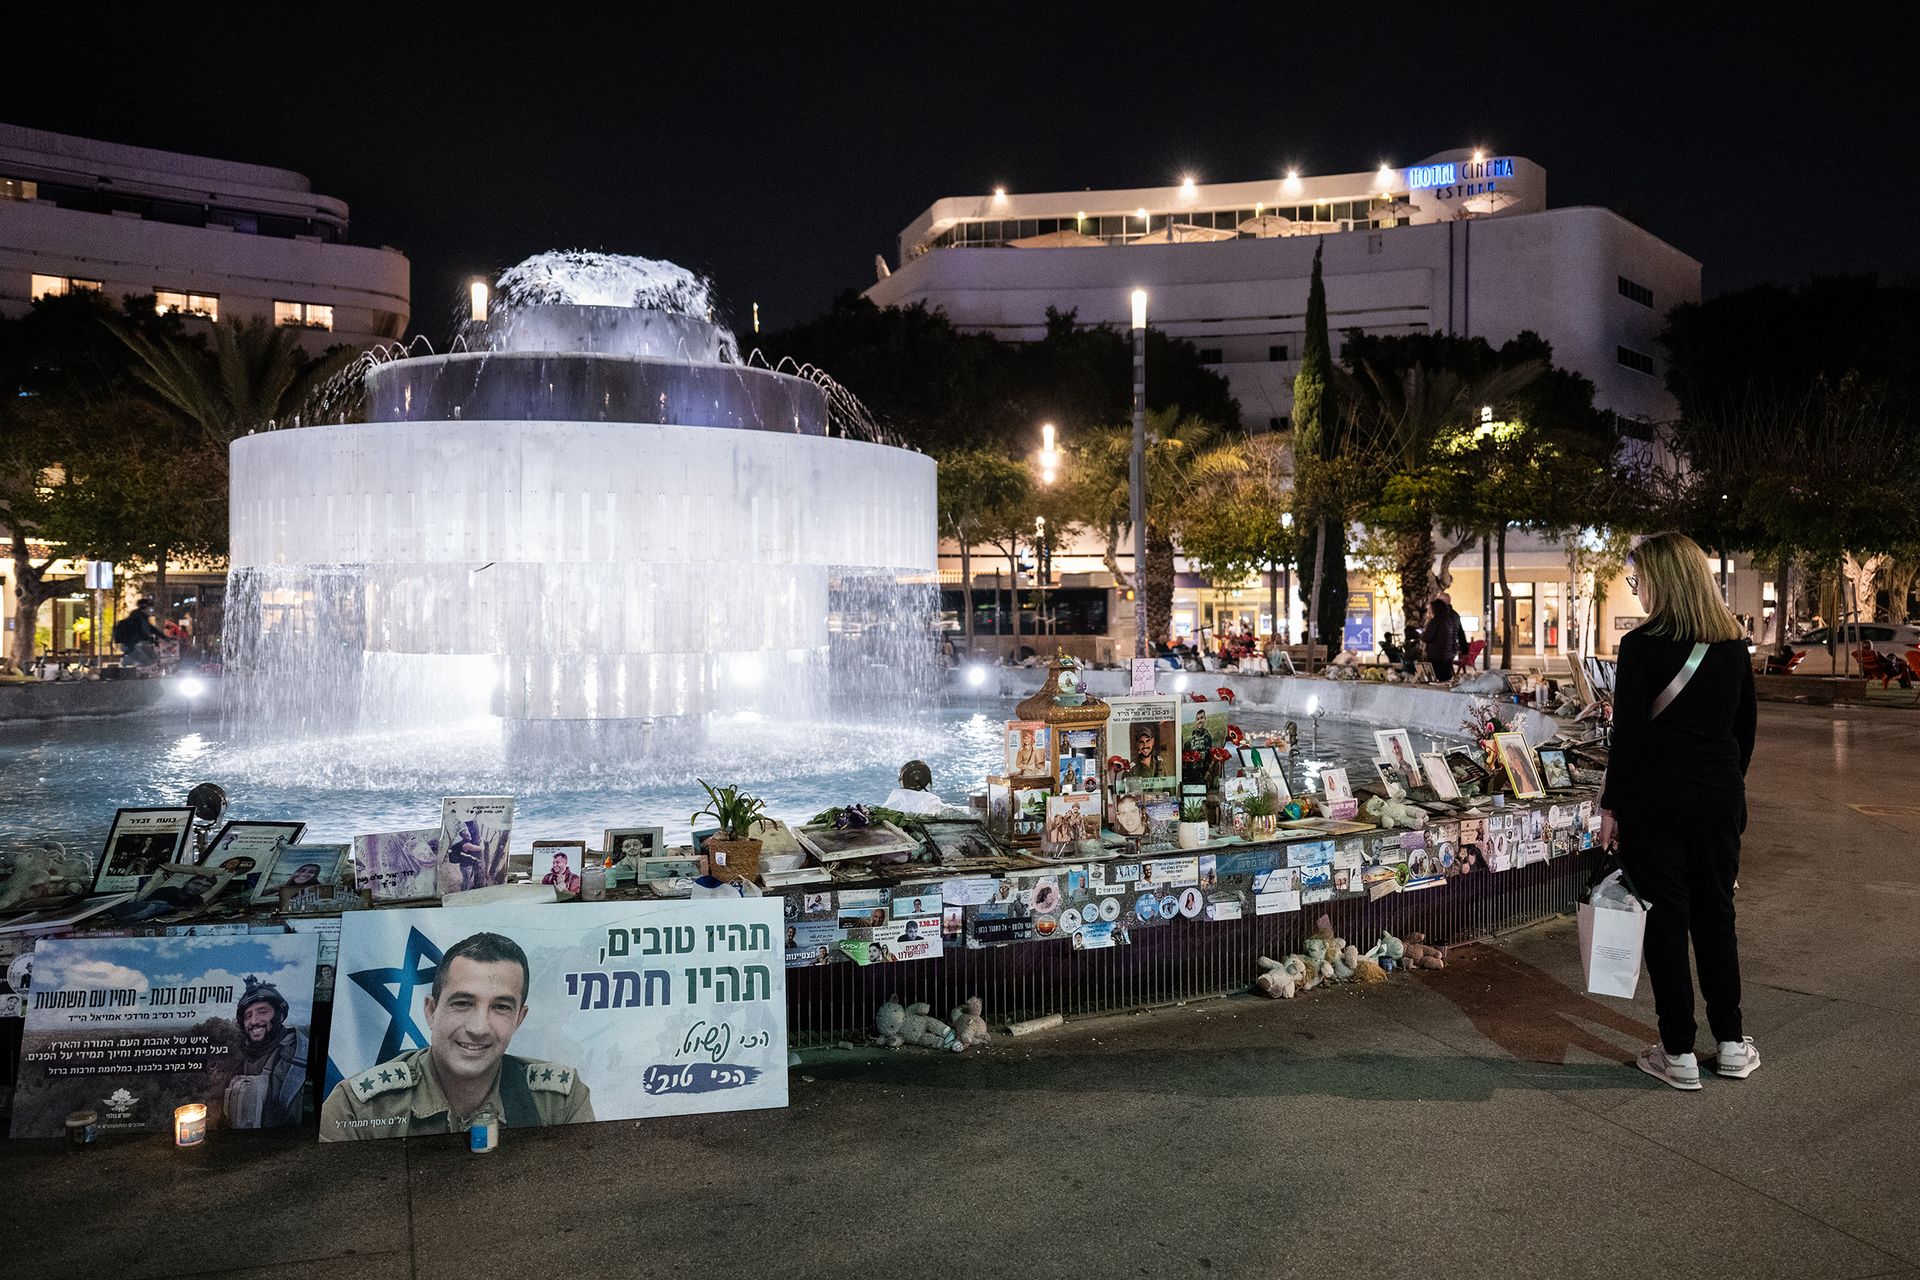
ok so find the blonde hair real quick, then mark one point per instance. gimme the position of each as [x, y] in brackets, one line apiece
[1686, 604]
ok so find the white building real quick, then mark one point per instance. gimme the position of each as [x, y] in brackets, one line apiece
[1462, 243]
[208, 238]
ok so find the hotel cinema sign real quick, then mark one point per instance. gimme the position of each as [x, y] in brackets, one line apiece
[1455, 179]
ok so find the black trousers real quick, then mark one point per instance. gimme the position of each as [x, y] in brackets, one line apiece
[1683, 852]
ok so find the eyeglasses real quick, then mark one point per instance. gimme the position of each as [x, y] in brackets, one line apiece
[1633, 582]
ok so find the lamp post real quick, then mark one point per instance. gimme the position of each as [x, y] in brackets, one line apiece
[1283, 612]
[477, 296]
[1137, 475]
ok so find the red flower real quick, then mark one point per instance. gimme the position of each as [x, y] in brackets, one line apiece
[1236, 735]
[1197, 697]
[1190, 757]
[1226, 694]
[1118, 764]
[1219, 755]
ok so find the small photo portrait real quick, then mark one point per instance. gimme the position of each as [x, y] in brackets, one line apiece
[1554, 770]
[558, 863]
[301, 866]
[1439, 776]
[1029, 749]
[1397, 746]
[1517, 759]
[1334, 784]
[623, 844]
[139, 843]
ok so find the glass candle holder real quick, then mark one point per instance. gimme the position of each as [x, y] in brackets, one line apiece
[190, 1124]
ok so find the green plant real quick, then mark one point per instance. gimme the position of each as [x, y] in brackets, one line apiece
[1193, 810]
[1262, 806]
[735, 812]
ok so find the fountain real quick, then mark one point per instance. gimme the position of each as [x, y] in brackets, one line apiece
[594, 522]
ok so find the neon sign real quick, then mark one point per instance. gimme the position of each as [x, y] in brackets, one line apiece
[1424, 177]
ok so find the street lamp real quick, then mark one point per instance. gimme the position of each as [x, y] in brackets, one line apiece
[478, 293]
[1049, 455]
[1137, 474]
[1284, 609]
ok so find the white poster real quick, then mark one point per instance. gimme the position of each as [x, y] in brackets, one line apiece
[555, 1013]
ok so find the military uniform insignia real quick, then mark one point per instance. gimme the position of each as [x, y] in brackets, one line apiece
[549, 1077]
[385, 1078]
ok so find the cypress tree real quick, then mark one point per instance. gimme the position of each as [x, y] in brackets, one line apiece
[1316, 438]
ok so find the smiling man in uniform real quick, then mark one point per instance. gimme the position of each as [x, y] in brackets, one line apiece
[479, 1000]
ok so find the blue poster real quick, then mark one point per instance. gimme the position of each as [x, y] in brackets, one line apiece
[1359, 629]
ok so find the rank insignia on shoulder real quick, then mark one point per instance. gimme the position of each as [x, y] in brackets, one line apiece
[384, 1078]
[549, 1077]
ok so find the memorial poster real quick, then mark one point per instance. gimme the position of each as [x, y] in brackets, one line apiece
[556, 1014]
[134, 1027]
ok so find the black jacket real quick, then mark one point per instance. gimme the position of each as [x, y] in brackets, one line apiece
[1703, 741]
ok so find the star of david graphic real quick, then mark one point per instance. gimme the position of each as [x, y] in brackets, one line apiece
[393, 990]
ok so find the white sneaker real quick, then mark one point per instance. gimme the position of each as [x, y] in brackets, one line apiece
[1681, 1070]
[1738, 1059]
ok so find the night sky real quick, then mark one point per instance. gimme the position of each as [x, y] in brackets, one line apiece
[779, 154]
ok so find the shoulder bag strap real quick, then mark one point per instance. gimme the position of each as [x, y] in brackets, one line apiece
[1680, 679]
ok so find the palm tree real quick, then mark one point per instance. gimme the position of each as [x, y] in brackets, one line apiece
[255, 376]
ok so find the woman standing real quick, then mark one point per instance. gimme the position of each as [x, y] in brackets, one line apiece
[1683, 722]
[1437, 640]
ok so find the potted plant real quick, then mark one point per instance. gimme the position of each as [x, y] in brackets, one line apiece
[734, 851]
[1194, 831]
[1263, 814]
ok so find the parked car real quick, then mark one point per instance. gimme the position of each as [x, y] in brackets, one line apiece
[1893, 639]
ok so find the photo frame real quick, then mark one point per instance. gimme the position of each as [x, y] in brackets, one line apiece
[1439, 776]
[1397, 746]
[1000, 807]
[1071, 818]
[256, 840]
[1469, 774]
[1516, 758]
[559, 863]
[139, 843]
[1391, 775]
[398, 866]
[1335, 786]
[1555, 771]
[1144, 730]
[875, 841]
[956, 840]
[633, 843]
[299, 865]
[174, 891]
[1029, 749]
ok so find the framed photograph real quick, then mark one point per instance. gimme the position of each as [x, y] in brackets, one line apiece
[474, 832]
[877, 840]
[1000, 807]
[1469, 775]
[1516, 757]
[1391, 776]
[1029, 817]
[1397, 746]
[959, 839]
[1145, 731]
[301, 866]
[1269, 765]
[1334, 785]
[1439, 776]
[633, 843]
[1203, 726]
[1128, 815]
[398, 866]
[1078, 767]
[253, 842]
[558, 863]
[1029, 749]
[139, 843]
[1555, 772]
[1070, 820]
[175, 891]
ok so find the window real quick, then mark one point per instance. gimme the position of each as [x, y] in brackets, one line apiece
[204, 305]
[19, 189]
[1278, 424]
[1211, 355]
[1637, 292]
[1277, 353]
[60, 286]
[303, 315]
[1638, 361]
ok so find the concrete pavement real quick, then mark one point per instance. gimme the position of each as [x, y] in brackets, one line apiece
[1475, 1121]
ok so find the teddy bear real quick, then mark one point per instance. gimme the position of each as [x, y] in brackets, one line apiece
[1387, 952]
[1314, 951]
[968, 1026]
[44, 875]
[1365, 969]
[912, 1025]
[1344, 957]
[1421, 955]
[1394, 811]
[1279, 979]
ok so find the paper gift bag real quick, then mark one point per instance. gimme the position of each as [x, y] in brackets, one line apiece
[1613, 926]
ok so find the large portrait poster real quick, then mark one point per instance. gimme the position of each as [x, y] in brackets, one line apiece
[1144, 731]
[549, 1013]
[133, 1027]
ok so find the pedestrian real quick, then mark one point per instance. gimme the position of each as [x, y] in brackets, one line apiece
[1675, 798]
[1438, 639]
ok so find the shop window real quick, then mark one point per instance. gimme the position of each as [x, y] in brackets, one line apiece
[1638, 361]
[19, 189]
[1277, 352]
[60, 286]
[204, 305]
[303, 315]
[1637, 292]
[1211, 355]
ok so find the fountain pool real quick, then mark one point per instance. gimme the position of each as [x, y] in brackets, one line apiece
[66, 778]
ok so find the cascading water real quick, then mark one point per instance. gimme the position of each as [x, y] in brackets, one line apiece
[594, 523]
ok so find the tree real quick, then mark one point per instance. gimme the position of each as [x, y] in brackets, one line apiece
[1237, 521]
[981, 493]
[1319, 438]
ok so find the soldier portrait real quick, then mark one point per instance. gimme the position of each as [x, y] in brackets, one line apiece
[271, 1076]
[478, 1001]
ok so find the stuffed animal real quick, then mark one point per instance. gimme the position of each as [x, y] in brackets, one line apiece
[968, 1026]
[1388, 952]
[1421, 955]
[1277, 977]
[1344, 958]
[1392, 811]
[1365, 970]
[44, 875]
[912, 1025]
[1318, 970]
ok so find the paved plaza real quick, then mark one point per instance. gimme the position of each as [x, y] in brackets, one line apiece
[1478, 1121]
